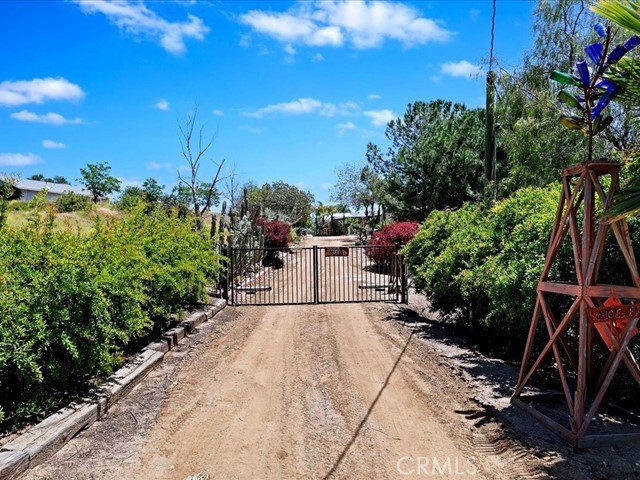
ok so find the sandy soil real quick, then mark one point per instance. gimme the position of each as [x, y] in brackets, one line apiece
[350, 391]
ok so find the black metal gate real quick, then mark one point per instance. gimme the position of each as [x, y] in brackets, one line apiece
[313, 275]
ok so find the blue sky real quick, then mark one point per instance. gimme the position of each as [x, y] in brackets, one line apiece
[292, 90]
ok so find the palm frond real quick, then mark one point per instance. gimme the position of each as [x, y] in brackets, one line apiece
[625, 13]
[625, 202]
[626, 75]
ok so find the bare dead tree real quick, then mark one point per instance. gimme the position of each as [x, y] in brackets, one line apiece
[231, 187]
[202, 195]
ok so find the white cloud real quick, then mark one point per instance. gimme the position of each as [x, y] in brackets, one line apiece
[289, 50]
[162, 104]
[52, 144]
[218, 112]
[48, 118]
[158, 166]
[245, 40]
[461, 69]
[136, 19]
[19, 159]
[295, 107]
[303, 106]
[374, 96]
[249, 129]
[473, 14]
[365, 24]
[380, 118]
[318, 57]
[38, 90]
[129, 182]
[343, 127]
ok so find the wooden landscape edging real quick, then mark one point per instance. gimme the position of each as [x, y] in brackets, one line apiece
[41, 441]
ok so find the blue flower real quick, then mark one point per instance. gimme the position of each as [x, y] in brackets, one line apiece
[600, 29]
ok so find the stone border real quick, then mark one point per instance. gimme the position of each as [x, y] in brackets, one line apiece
[41, 441]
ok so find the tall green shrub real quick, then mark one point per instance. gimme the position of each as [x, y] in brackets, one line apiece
[71, 304]
[480, 264]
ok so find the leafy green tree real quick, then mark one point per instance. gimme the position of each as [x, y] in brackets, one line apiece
[355, 187]
[561, 29]
[321, 213]
[350, 188]
[360, 187]
[59, 179]
[152, 190]
[73, 202]
[130, 198]
[287, 202]
[533, 147]
[435, 160]
[41, 178]
[203, 195]
[7, 192]
[98, 181]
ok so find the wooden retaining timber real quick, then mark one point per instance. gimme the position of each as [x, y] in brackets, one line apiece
[581, 183]
[43, 440]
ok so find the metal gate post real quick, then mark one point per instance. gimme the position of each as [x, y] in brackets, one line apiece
[224, 280]
[405, 280]
[315, 275]
[231, 277]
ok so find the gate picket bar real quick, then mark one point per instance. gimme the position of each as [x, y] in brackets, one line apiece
[313, 275]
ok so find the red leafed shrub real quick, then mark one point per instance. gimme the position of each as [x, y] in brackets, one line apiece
[382, 243]
[277, 234]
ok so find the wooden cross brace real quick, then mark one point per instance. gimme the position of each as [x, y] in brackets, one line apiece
[588, 296]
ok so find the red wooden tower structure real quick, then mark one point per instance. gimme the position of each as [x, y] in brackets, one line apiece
[597, 312]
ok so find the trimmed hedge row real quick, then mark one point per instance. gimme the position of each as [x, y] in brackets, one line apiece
[72, 304]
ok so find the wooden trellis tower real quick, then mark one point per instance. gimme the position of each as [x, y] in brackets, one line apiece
[608, 312]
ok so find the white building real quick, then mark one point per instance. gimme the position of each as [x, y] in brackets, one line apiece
[30, 188]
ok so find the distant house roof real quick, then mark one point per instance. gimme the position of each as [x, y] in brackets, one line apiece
[342, 216]
[59, 188]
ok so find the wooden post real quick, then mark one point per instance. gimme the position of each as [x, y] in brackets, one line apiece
[588, 247]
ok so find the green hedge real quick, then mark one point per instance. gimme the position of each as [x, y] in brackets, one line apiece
[72, 304]
[479, 265]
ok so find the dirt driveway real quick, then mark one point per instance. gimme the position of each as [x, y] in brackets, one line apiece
[309, 392]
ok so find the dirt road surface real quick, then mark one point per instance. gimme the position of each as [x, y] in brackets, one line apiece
[339, 391]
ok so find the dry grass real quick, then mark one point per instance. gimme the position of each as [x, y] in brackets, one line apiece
[81, 222]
